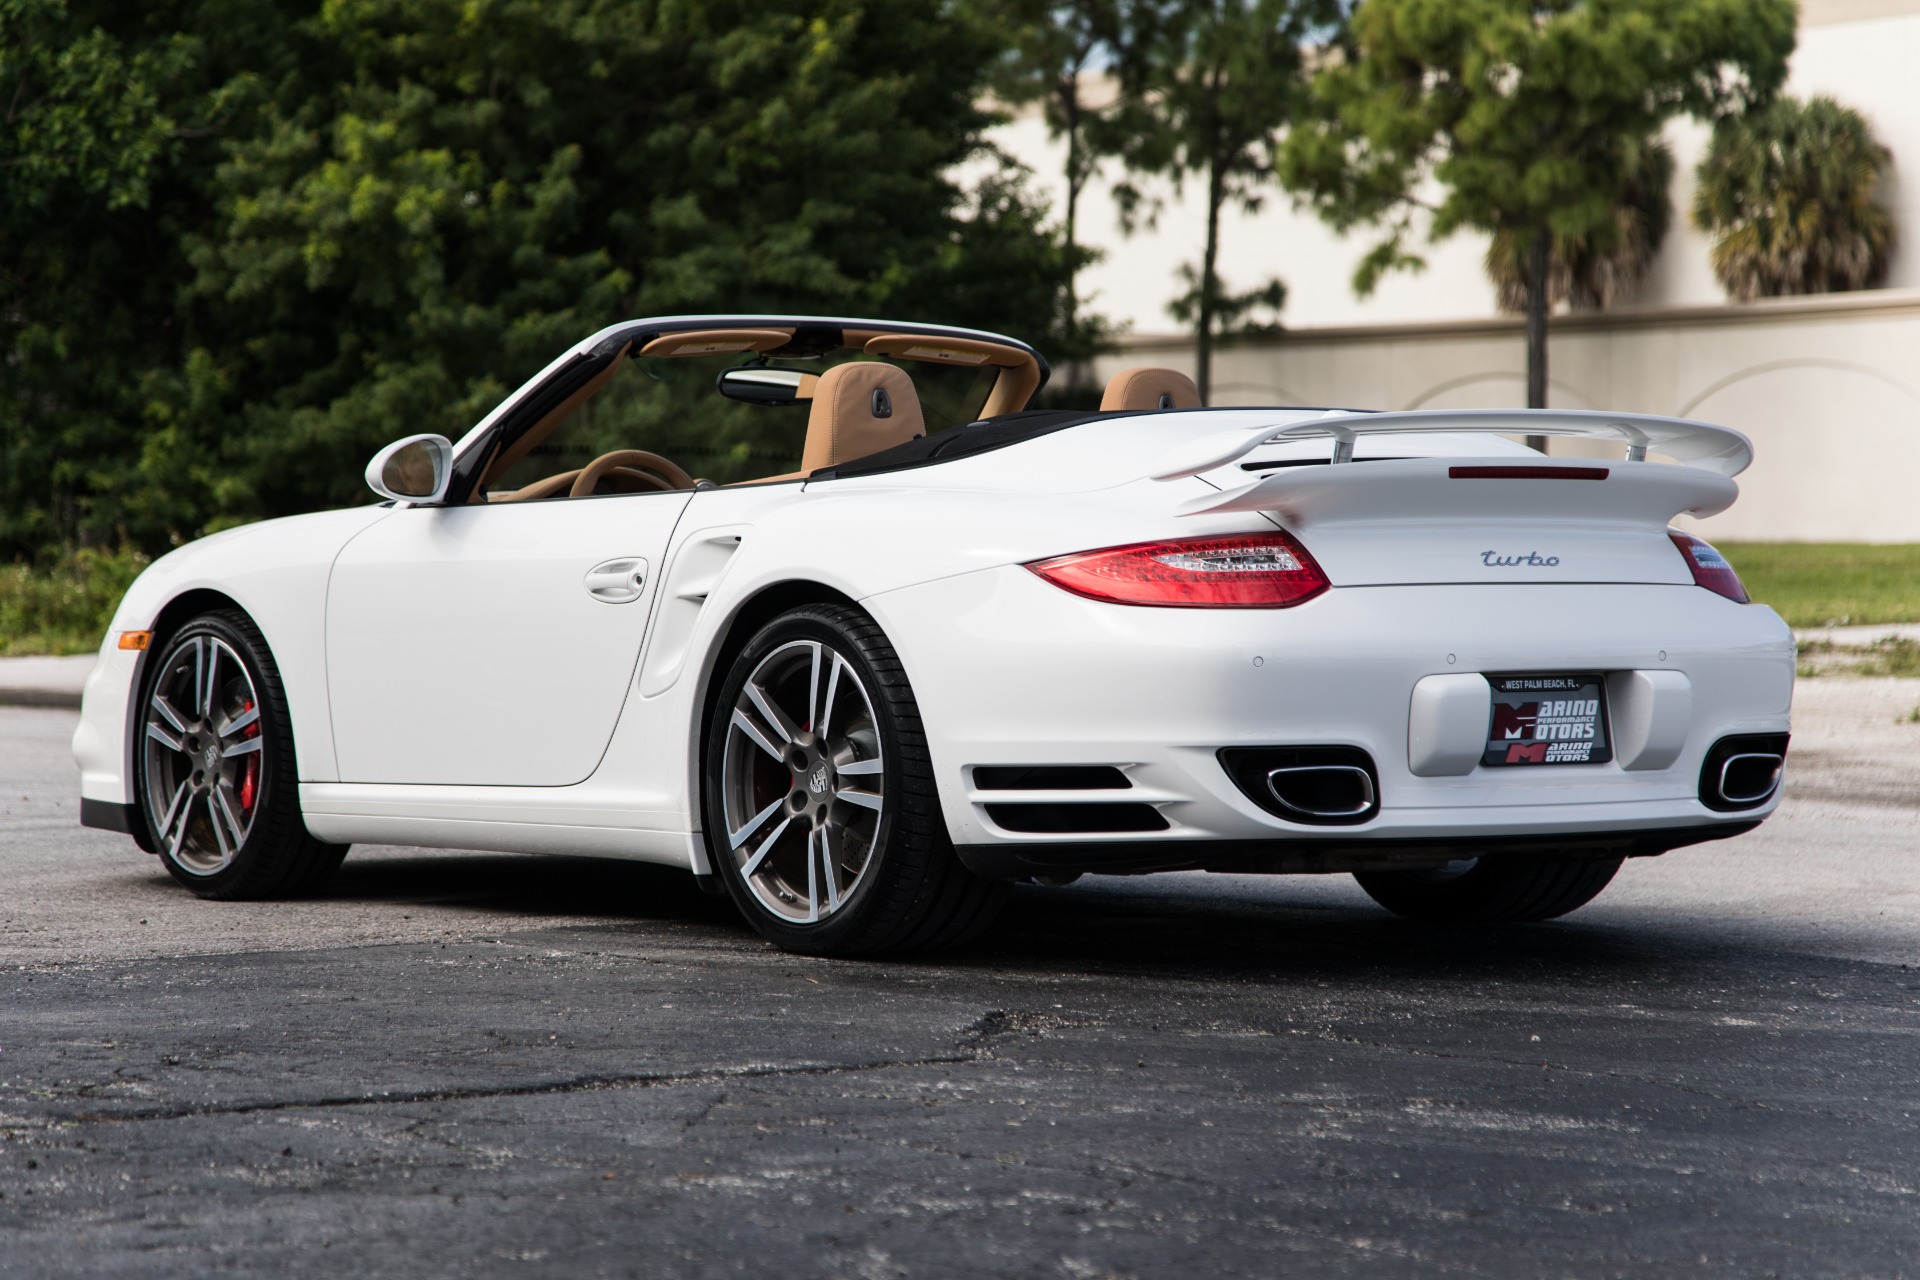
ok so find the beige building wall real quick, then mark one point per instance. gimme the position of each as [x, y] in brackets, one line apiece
[1861, 52]
[1827, 387]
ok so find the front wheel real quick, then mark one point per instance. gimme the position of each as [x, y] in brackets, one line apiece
[1491, 889]
[822, 816]
[217, 781]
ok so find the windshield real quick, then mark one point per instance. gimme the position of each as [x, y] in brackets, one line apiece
[670, 407]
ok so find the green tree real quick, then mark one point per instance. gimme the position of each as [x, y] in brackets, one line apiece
[83, 109]
[93, 125]
[1524, 116]
[1788, 192]
[351, 219]
[1591, 271]
[1206, 93]
[1055, 45]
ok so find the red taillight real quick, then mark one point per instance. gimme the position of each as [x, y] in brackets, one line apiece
[1710, 568]
[1240, 571]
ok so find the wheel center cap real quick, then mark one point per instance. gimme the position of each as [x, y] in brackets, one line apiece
[210, 758]
[817, 780]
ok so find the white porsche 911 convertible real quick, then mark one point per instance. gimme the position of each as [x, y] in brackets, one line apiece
[912, 641]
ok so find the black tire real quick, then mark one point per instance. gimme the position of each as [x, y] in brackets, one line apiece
[273, 855]
[911, 892]
[1491, 889]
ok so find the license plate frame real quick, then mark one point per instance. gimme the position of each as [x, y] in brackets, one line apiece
[1544, 718]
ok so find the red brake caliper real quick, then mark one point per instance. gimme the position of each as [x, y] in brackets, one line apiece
[250, 777]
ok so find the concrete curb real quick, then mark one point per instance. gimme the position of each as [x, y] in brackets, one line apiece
[1858, 637]
[65, 699]
[44, 682]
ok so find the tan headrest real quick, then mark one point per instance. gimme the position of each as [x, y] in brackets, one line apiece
[1150, 389]
[860, 409]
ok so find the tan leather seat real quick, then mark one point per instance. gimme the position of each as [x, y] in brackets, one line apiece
[1150, 389]
[860, 409]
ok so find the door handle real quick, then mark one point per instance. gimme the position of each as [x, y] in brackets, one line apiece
[617, 581]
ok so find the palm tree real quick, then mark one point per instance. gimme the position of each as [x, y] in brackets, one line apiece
[1789, 193]
[1587, 271]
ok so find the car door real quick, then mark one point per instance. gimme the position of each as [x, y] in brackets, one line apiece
[491, 644]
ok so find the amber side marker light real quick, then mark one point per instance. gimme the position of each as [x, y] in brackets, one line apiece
[135, 639]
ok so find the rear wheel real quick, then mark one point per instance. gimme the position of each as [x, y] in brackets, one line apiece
[1490, 889]
[217, 780]
[822, 816]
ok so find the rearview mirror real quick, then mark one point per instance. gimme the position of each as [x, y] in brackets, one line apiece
[758, 384]
[415, 469]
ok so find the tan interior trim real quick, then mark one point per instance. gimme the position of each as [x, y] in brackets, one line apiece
[545, 487]
[943, 350]
[1149, 388]
[715, 342]
[554, 417]
[1012, 389]
[478, 496]
[665, 473]
[860, 409]
[1019, 379]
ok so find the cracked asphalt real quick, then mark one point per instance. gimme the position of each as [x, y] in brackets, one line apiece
[466, 1064]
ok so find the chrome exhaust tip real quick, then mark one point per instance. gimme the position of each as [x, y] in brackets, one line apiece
[1743, 772]
[1322, 790]
[1750, 777]
[1318, 786]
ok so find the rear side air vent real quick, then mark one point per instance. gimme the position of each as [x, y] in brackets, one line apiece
[1049, 777]
[1076, 819]
[1318, 786]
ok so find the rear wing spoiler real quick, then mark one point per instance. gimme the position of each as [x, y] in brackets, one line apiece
[1703, 445]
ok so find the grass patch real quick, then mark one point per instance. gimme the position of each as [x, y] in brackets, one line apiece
[1831, 584]
[1887, 656]
[64, 605]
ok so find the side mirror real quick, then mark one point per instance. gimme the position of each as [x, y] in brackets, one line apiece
[415, 469]
[759, 384]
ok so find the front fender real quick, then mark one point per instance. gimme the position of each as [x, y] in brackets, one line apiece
[276, 572]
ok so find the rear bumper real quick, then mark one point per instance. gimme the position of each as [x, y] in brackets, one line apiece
[1311, 857]
[1011, 671]
[105, 815]
[101, 746]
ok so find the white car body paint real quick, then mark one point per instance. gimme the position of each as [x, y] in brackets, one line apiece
[277, 571]
[452, 683]
[464, 648]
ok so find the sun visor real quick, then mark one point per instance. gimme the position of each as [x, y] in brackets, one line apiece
[715, 342]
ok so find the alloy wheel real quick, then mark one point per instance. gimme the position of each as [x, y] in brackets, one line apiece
[803, 783]
[203, 745]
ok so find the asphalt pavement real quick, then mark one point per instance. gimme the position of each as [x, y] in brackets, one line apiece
[465, 1064]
